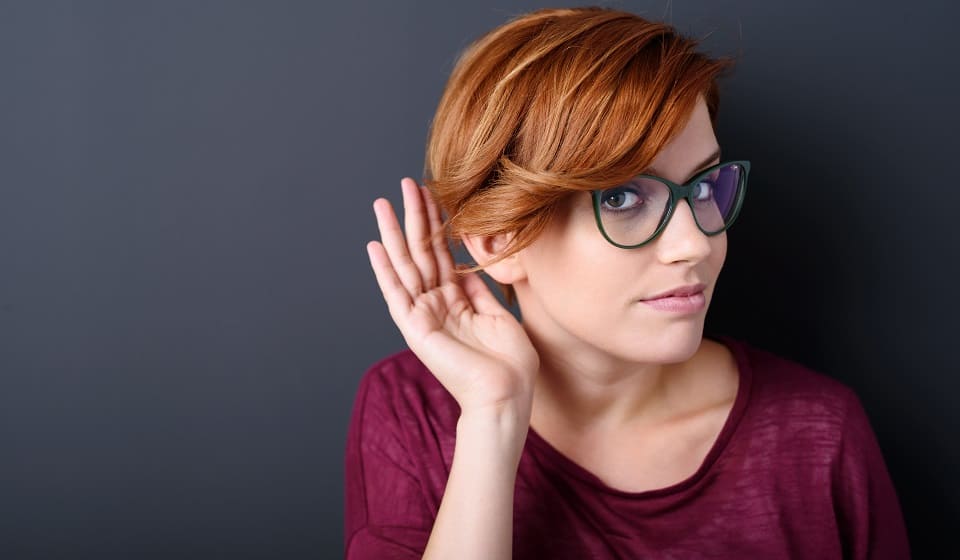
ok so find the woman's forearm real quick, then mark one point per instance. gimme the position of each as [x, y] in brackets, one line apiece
[475, 520]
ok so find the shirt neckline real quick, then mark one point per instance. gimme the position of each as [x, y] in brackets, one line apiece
[745, 376]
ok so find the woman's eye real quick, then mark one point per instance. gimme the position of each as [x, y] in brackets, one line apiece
[704, 191]
[621, 199]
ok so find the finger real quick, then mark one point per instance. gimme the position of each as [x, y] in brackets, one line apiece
[418, 232]
[391, 236]
[479, 295]
[441, 250]
[394, 293]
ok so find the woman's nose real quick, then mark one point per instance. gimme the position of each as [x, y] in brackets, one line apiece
[682, 238]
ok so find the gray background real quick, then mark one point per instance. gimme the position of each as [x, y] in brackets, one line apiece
[185, 302]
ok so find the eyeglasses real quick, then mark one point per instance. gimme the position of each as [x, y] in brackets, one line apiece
[635, 213]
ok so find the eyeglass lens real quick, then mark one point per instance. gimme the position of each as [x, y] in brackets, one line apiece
[631, 213]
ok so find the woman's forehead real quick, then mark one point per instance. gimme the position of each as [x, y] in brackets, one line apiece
[692, 149]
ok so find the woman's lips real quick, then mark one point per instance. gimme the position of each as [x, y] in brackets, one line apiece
[679, 304]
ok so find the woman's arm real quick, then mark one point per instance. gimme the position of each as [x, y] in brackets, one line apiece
[481, 355]
[871, 522]
[475, 520]
[386, 513]
[393, 451]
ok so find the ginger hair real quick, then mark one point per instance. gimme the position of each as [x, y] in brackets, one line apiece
[554, 102]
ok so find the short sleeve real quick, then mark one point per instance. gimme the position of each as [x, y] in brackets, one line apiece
[868, 510]
[386, 517]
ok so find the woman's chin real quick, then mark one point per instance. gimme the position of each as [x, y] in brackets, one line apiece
[667, 347]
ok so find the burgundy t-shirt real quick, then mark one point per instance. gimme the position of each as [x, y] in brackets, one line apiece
[796, 472]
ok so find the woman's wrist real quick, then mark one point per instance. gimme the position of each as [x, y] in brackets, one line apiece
[501, 429]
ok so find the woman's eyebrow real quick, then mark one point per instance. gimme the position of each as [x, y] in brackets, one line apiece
[706, 163]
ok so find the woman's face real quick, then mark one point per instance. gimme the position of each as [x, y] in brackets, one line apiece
[583, 297]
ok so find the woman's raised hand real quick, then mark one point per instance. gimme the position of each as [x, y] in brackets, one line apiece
[458, 329]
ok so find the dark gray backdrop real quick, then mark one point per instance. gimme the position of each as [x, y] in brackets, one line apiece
[185, 301]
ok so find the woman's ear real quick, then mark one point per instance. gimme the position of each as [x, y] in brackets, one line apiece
[485, 249]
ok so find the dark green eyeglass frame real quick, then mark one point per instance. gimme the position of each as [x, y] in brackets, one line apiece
[678, 192]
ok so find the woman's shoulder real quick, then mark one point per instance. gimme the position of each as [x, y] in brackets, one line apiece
[401, 386]
[779, 385]
[793, 415]
[402, 366]
[402, 369]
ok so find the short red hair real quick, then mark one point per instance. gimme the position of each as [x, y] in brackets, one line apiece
[554, 102]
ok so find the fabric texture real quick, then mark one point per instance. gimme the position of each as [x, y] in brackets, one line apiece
[796, 472]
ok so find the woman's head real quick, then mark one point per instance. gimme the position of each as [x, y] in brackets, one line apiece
[554, 103]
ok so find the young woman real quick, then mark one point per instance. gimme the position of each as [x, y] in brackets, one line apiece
[574, 154]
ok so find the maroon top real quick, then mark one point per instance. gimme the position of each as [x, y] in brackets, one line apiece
[795, 472]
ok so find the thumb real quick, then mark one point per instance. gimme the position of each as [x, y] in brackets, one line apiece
[479, 295]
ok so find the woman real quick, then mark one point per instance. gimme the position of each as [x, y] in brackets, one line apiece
[574, 153]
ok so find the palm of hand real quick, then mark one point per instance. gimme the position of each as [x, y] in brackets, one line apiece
[452, 322]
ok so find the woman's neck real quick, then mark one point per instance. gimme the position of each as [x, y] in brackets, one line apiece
[586, 390]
